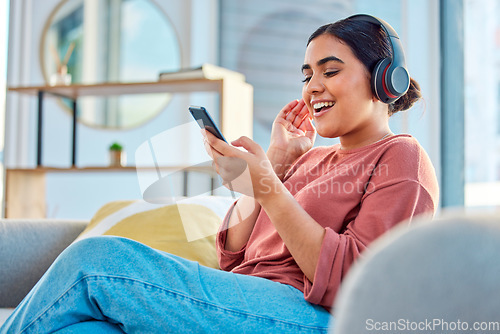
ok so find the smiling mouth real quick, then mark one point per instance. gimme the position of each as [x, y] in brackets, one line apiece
[322, 106]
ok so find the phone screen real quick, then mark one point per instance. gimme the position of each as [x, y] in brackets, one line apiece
[204, 120]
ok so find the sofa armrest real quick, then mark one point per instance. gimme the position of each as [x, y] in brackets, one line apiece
[27, 249]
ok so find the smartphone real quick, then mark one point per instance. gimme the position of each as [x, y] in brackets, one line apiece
[205, 121]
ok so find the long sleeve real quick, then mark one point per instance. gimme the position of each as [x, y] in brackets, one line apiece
[379, 212]
[400, 185]
[227, 259]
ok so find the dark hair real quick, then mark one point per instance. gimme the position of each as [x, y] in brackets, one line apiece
[369, 43]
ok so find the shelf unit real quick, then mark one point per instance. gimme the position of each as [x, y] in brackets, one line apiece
[25, 187]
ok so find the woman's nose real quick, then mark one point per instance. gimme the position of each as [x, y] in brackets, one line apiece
[315, 85]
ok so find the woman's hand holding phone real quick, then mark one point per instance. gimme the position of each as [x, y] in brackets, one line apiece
[249, 171]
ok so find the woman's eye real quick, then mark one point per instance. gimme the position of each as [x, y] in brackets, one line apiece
[327, 74]
[330, 73]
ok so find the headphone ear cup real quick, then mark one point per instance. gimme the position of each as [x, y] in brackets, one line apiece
[397, 80]
[378, 81]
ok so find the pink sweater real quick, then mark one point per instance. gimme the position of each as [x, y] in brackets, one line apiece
[356, 195]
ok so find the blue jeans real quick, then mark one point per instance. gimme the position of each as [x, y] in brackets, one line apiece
[111, 284]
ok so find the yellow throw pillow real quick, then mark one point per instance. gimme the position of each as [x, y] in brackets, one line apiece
[185, 227]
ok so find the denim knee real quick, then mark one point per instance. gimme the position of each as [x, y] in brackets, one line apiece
[103, 243]
[97, 254]
[101, 246]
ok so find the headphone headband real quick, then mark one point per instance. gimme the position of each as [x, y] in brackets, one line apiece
[390, 78]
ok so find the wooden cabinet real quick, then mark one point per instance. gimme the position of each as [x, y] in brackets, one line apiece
[25, 188]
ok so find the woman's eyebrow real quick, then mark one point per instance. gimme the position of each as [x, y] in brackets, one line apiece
[322, 62]
[327, 59]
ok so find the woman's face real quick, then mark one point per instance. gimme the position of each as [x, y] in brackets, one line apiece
[337, 91]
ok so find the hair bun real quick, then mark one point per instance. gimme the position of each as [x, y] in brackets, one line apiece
[408, 100]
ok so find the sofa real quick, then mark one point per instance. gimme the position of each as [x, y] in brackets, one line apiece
[430, 277]
[27, 249]
[439, 276]
[182, 226]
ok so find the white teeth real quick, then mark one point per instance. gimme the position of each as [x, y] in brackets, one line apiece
[323, 104]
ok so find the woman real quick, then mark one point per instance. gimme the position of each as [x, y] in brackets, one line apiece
[305, 216]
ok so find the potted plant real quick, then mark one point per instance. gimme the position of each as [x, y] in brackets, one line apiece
[116, 155]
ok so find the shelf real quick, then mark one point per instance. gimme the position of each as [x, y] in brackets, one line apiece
[235, 95]
[25, 187]
[97, 169]
[129, 88]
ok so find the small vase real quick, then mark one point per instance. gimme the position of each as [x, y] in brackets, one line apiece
[116, 158]
[60, 79]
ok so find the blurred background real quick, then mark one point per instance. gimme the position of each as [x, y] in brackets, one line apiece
[452, 49]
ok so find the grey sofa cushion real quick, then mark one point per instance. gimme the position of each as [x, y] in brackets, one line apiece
[4, 314]
[436, 277]
[27, 249]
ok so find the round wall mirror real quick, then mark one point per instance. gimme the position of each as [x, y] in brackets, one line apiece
[101, 41]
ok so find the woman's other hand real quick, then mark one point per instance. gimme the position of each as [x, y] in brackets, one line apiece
[292, 135]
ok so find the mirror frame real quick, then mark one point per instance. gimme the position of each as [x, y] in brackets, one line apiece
[67, 109]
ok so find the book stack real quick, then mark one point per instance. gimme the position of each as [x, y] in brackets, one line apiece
[205, 71]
